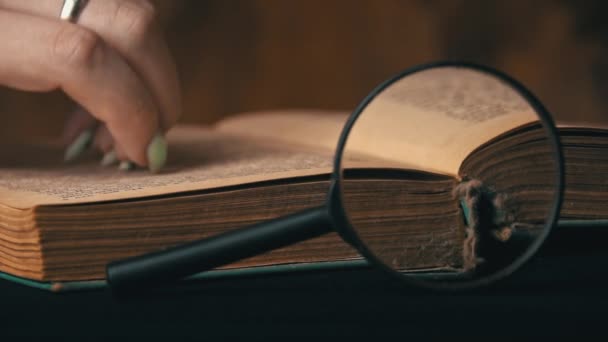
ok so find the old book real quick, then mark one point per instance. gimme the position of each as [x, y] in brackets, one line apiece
[62, 224]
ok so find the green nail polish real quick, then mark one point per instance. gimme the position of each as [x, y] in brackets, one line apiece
[109, 158]
[79, 145]
[126, 166]
[157, 153]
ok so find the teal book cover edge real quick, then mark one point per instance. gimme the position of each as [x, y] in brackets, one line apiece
[72, 286]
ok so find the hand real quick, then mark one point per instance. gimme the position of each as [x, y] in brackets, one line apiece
[112, 61]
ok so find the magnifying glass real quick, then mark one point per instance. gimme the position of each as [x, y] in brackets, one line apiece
[447, 176]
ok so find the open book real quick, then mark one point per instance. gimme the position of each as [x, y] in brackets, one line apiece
[63, 223]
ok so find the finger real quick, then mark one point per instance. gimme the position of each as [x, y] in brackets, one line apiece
[78, 121]
[50, 54]
[120, 152]
[81, 120]
[129, 26]
[103, 139]
[105, 143]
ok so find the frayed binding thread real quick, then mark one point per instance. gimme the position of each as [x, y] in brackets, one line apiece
[489, 221]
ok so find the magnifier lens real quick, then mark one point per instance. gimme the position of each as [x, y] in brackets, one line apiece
[449, 171]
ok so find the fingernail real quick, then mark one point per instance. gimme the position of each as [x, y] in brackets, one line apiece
[109, 158]
[79, 145]
[126, 166]
[157, 153]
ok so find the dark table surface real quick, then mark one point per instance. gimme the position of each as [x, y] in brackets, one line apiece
[557, 296]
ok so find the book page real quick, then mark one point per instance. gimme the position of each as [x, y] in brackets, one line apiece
[309, 129]
[435, 118]
[305, 127]
[199, 158]
[428, 121]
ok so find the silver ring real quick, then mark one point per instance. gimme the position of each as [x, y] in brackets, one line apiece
[71, 9]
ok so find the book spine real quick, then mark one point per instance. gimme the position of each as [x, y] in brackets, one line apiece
[492, 232]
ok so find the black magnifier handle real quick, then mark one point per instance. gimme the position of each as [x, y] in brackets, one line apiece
[172, 264]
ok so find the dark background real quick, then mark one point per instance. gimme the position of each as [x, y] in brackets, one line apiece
[241, 55]
[561, 297]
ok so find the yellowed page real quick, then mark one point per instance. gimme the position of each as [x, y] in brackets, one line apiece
[435, 118]
[199, 159]
[407, 125]
[306, 127]
[428, 121]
